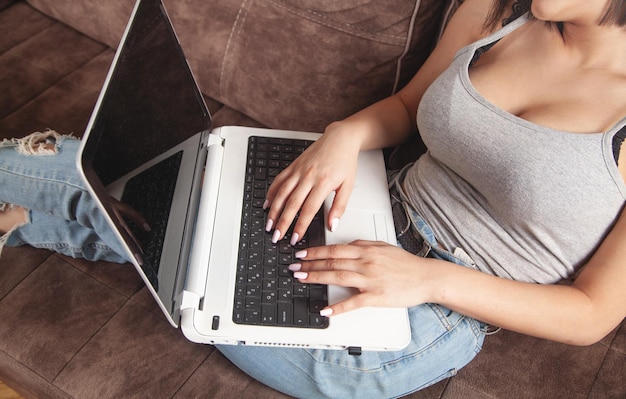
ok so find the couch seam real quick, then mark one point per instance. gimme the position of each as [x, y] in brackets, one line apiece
[96, 332]
[54, 84]
[322, 20]
[18, 283]
[236, 28]
[52, 23]
[609, 348]
[407, 46]
[35, 373]
[193, 372]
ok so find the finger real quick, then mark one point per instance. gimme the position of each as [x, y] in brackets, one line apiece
[340, 202]
[277, 195]
[342, 278]
[335, 251]
[290, 210]
[366, 243]
[277, 185]
[309, 209]
[327, 265]
[354, 302]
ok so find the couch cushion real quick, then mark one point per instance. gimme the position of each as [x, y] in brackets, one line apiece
[295, 64]
[302, 64]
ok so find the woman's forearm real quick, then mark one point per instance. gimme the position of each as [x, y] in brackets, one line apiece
[556, 312]
[384, 124]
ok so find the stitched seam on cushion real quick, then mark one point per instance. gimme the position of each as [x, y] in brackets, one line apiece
[446, 17]
[233, 32]
[407, 46]
[325, 21]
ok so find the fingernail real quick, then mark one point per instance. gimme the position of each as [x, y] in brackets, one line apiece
[269, 225]
[333, 224]
[294, 267]
[147, 227]
[326, 312]
[275, 236]
[300, 254]
[266, 204]
[294, 239]
[300, 275]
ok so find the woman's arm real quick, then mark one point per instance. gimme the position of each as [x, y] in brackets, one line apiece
[578, 314]
[330, 163]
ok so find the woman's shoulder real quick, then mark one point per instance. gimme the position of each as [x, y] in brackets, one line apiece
[471, 21]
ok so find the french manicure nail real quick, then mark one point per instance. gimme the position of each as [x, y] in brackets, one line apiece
[326, 312]
[269, 225]
[333, 224]
[294, 239]
[266, 204]
[275, 236]
[294, 267]
[300, 275]
[300, 254]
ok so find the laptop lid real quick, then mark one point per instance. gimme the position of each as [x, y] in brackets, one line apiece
[149, 105]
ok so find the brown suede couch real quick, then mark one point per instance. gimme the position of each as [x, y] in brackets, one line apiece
[74, 329]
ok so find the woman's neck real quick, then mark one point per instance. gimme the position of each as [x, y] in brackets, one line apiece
[595, 46]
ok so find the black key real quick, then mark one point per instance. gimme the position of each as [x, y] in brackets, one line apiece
[266, 292]
[300, 311]
[268, 297]
[285, 314]
[268, 315]
[260, 173]
[252, 316]
[317, 321]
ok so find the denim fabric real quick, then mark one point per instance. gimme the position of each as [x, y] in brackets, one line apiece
[442, 342]
[64, 218]
[61, 214]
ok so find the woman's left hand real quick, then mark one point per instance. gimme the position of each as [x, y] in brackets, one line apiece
[383, 274]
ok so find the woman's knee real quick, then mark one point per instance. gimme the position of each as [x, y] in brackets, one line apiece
[11, 217]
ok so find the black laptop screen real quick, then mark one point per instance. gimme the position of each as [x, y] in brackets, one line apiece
[151, 103]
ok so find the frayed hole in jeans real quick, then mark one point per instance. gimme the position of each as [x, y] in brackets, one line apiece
[38, 143]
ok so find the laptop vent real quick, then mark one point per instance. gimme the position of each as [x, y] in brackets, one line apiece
[281, 345]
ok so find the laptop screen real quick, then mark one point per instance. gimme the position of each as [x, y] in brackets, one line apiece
[151, 103]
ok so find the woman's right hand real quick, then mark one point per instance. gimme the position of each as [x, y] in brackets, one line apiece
[328, 165]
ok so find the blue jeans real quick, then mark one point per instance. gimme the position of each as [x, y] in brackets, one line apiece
[442, 342]
[62, 216]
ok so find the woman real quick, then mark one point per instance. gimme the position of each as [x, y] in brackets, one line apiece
[520, 186]
[520, 189]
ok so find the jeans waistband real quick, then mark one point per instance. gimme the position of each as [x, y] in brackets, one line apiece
[413, 232]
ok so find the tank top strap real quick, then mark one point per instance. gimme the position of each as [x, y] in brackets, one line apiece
[618, 139]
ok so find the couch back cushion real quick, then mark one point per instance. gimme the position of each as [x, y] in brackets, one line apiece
[289, 64]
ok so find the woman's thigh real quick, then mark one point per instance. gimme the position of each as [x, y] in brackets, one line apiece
[442, 343]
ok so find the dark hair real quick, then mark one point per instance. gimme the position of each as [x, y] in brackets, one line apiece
[499, 12]
[615, 14]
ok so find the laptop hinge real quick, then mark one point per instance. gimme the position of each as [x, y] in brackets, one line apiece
[190, 300]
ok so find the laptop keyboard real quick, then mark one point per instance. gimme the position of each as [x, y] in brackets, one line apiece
[141, 193]
[266, 292]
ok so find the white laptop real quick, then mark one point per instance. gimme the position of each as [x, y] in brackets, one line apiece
[149, 144]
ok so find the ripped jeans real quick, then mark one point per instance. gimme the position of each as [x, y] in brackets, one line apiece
[39, 173]
[442, 342]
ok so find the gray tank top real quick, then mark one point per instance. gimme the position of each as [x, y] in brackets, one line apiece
[525, 202]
